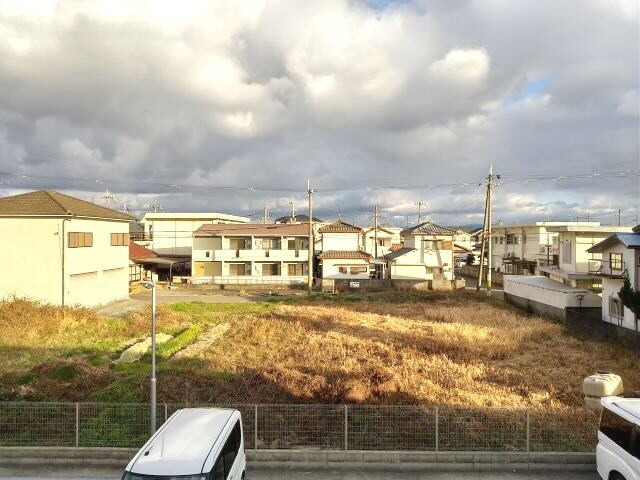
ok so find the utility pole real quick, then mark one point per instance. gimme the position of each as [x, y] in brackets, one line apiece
[108, 196]
[489, 266]
[484, 243]
[375, 231]
[619, 218]
[266, 215]
[420, 204]
[293, 211]
[155, 206]
[311, 242]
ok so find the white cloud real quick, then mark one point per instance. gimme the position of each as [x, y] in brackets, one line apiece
[464, 67]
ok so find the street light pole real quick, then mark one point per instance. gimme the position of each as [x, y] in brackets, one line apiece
[153, 358]
[151, 284]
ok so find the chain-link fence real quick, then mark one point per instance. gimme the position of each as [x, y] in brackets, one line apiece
[333, 427]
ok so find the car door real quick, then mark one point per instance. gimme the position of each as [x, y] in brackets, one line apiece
[228, 466]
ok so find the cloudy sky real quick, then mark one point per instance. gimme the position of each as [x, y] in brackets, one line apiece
[167, 101]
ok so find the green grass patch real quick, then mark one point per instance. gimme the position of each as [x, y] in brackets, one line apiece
[177, 343]
[123, 390]
[24, 379]
[203, 310]
[63, 373]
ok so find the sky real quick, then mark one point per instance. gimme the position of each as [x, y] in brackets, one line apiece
[227, 106]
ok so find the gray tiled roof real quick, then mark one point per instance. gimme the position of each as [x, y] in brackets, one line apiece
[427, 228]
[340, 227]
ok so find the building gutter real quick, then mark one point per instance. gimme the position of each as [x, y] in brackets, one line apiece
[62, 299]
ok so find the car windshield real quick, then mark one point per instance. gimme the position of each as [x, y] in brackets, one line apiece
[137, 476]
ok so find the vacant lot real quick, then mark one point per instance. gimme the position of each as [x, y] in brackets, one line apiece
[455, 349]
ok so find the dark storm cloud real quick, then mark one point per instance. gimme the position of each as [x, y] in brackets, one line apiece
[151, 99]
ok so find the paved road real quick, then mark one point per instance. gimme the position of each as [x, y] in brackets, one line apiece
[365, 475]
[138, 301]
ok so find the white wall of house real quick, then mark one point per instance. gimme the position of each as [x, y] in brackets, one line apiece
[611, 286]
[341, 241]
[31, 250]
[331, 268]
[384, 238]
[529, 242]
[173, 232]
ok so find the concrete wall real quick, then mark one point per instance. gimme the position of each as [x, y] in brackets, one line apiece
[31, 250]
[330, 268]
[547, 296]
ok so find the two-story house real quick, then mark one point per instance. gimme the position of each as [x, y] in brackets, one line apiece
[576, 263]
[171, 234]
[520, 249]
[377, 243]
[619, 259]
[251, 253]
[63, 250]
[427, 254]
[342, 255]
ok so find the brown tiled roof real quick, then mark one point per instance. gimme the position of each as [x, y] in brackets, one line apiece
[138, 252]
[340, 227]
[396, 246]
[257, 229]
[345, 255]
[50, 203]
[427, 228]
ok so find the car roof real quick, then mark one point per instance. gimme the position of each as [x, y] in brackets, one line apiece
[629, 408]
[184, 442]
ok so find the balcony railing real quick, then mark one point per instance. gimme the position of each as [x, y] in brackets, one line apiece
[141, 237]
[608, 269]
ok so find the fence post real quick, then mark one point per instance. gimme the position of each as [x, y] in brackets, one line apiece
[255, 426]
[166, 412]
[346, 428]
[77, 424]
[437, 430]
[528, 431]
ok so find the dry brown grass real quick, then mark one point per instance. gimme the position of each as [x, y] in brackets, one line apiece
[455, 350]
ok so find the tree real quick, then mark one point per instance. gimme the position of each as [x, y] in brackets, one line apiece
[630, 298]
[470, 259]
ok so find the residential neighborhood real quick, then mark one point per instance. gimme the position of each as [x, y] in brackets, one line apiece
[320, 240]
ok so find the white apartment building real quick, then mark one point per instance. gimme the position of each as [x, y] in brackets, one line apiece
[427, 254]
[171, 234]
[620, 258]
[342, 255]
[521, 249]
[576, 263]
[62, 250]
[251, 253]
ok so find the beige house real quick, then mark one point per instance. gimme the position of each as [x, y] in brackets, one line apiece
[171, 234]
[378, 243]
[62, 250]
[427, 254]
[251, 253]
[342, 256]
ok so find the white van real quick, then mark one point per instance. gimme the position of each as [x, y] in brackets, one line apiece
[618, 450]
[193, 444]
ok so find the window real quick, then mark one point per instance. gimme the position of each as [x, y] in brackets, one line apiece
[501, 240]
[615, 308]
[566, 252]
[615, 260]
[207, 253]
[358, 270]
[380, 242]
[342, 270]
[617, 429]
[297, 269]
[119, 239]
[291, 244]
[223, 465]
[512, 239]
[80, 239]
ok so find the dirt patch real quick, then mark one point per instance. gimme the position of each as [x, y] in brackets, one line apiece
[204, 342]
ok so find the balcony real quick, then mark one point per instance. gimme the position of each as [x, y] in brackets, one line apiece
[608, 269]
[253, 254]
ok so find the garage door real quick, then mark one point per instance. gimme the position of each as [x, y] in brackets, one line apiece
[82, 289]
[114, 285]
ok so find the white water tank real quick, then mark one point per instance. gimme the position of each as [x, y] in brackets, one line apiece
[602, 385]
